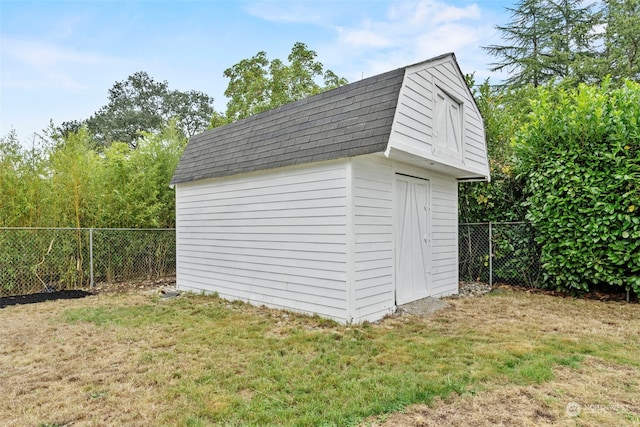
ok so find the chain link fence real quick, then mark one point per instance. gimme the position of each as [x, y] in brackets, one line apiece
[499, 253]
[34, 260]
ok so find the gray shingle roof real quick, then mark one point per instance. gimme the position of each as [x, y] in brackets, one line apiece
[351, 120]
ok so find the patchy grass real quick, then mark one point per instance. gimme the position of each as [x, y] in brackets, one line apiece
[509, 358]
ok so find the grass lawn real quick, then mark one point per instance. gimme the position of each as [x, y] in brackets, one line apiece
[135, 359]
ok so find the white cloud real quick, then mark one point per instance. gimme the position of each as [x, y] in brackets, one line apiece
[371, 38]
[452, 14]
[44, 54]
[43, 80]
[455, 37]
[59, 64]
[42, 63]
[409, 32]
[429, 12]
[362, 38]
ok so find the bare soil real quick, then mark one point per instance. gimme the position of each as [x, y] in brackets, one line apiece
[133, 287]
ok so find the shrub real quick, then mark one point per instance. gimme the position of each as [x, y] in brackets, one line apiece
[580, 157]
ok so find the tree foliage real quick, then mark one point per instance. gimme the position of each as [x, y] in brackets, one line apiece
[620, 56]
[70, 183]
[113, 169]
[501, 199]
[66, 183]
[546, 40]
[141, 104]
[553, 40]
[527, 36]
[580, 157]
[17, 172]
[572, 167]
[257, 84]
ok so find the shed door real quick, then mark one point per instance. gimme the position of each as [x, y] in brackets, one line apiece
[413, 256]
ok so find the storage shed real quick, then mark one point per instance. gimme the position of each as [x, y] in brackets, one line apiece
[343, 204]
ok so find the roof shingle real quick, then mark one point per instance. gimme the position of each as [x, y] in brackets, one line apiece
[351, 120]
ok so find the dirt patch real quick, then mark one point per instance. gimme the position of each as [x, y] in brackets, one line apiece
[593, 393]
[423, 307]
[595, 295]
[49, 369]
[133, 287]
[164, 286]
[430, 305]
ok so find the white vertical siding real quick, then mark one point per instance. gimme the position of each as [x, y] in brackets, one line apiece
[414, 130]
[275, 237]
[373, 210]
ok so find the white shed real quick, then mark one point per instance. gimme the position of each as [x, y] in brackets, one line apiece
[343, 204]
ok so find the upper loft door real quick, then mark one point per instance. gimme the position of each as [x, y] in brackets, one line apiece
[413, 245]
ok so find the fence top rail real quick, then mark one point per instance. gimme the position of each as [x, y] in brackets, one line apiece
[495, 223]
[87, 228]
[173, 229]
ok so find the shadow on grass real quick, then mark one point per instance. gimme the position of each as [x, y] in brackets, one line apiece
[41, 297]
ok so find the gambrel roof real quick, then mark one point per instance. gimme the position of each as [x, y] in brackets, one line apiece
[352, 120]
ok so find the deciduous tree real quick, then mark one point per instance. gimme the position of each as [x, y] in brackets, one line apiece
[142, 104]
[258, 84]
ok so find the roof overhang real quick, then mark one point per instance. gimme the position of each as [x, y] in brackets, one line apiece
[461, 175]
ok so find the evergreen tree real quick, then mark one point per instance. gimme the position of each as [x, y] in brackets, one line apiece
[620, 56]
[545, 40]
[527, 37]
[572, 35]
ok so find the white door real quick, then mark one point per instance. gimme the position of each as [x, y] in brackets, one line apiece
[412, 239]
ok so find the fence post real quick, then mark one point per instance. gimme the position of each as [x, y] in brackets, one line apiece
[490, 255]
[91, 257]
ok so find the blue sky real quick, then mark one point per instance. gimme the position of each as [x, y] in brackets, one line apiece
[58, 59]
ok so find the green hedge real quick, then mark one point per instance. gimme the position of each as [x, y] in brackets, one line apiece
[580, 155]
